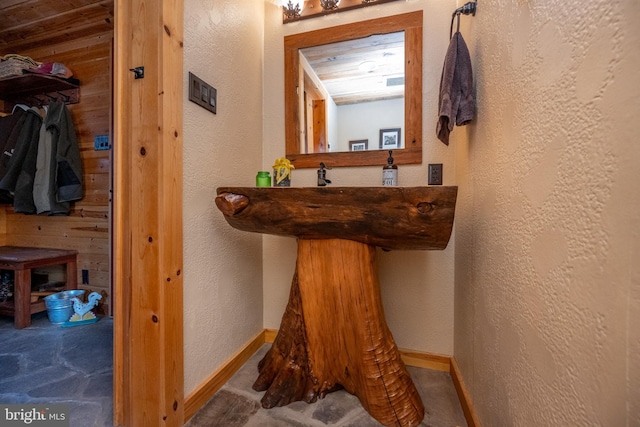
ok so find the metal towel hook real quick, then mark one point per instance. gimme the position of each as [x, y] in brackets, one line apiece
[467, 9]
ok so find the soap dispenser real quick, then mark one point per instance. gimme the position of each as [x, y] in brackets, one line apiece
[390, 172]
[322, 175]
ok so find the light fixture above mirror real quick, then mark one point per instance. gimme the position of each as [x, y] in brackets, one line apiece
[329, 4]
[295, 10]
[292, 9]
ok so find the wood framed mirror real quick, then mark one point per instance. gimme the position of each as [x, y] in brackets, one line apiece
[307, 144]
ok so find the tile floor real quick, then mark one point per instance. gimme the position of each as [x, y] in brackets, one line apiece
[46, 363]
[237, 405]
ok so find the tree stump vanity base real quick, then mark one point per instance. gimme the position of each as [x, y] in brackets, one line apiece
[333, 332]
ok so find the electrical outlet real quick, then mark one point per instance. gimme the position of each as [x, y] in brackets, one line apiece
[101, 142]
[435, 174]
[85, 277]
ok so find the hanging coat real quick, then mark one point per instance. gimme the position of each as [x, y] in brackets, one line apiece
[22, 166]
[59, 181]
[10, 127]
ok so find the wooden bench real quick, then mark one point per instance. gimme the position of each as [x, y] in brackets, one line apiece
[22, 260]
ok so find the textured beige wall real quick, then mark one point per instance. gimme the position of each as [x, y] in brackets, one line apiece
[547, 296]
[417, 286]
[222, 266]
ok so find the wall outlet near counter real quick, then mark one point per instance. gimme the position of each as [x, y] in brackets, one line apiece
[435, 174]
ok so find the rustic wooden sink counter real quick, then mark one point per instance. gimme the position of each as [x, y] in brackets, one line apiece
[333, 332]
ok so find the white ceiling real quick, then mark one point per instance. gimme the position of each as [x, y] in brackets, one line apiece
[359, 70]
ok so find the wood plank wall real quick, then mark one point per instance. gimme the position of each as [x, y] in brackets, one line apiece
[88, 53]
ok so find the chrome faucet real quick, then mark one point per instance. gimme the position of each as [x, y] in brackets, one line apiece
[322, 175]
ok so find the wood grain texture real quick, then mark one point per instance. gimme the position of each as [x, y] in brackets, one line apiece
[122, 227]
[336, 284]
[389, 217]
[22, 260]
[59, 31]
[148, 217]
[419, 359]
[28, 24]
[424, 360]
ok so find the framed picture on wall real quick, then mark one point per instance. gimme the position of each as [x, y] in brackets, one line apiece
[389, 139]
[358, 145]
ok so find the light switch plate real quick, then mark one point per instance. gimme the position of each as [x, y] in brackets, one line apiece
[202, 93]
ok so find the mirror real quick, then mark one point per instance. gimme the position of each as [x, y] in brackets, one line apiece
[347, 86]
[312, 116]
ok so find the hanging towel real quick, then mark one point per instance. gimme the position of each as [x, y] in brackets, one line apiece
[456, 103]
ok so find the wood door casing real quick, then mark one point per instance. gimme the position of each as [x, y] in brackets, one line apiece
[148, 365]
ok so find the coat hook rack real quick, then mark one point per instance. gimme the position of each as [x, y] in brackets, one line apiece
[37, 90]
[65, 97]
[38, 101]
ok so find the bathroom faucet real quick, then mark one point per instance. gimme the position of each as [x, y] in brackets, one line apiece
[322, 175]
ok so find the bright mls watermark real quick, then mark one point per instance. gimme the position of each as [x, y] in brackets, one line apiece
[34, 415]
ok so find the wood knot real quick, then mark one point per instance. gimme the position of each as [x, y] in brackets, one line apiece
[231, 204]
[425, 207]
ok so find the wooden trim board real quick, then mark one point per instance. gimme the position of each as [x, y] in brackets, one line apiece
[270, 335]
[463, 396]
[431, 361]
[202, 394]
[148, 239]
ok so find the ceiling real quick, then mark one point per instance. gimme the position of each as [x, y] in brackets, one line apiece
[25, 24]
[360, 70]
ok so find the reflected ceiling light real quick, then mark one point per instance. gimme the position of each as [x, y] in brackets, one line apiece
[292, 8]
[329, 4]
[367, 66]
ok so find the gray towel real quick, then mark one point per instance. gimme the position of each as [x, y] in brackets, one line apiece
[457, 103]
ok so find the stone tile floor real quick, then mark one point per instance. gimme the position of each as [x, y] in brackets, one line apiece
[47, 364]
[236, 404]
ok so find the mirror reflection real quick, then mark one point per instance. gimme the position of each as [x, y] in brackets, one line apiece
[354, 91]
[347, 86]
